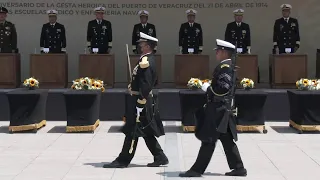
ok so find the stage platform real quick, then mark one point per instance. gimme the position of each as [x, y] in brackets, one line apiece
[113, 104]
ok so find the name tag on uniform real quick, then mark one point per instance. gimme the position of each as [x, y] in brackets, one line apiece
[95, 50]
[288, 50]
[190, 50]
[239, 50]
[46, 50]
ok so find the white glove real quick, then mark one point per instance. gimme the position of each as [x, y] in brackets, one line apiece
[63, 49]
[205, 86]
[180, 49]
[249, 50]
[139, 110]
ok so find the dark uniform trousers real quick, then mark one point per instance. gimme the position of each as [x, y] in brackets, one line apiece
[151, 141]
[207, 149]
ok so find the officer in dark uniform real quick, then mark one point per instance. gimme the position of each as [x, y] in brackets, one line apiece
[190, 35]
[211, 124]
[53, 35]
[99, 33]
[142, 114]
[238, 33]
[286, 37]
[8, 34]
[144, 27]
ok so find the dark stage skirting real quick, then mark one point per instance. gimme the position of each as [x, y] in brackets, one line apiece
[304, 110]
[112, 105]
[249, 103]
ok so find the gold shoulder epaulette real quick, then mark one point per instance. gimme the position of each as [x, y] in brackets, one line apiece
[144, 62]
[225, 65]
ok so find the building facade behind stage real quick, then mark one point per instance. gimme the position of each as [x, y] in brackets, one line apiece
[167, 17]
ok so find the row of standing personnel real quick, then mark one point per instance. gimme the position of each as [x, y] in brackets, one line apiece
[286, 38]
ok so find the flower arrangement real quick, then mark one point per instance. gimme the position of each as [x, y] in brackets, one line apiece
[308, 84]
[87, 83]
[194, 83]
[31, 83]
[247, 83]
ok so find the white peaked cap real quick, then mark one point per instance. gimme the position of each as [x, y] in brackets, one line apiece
[191, 11]
[52, 12]
[99, 9]
[286, 6]
[221, 44]
[238, 11]
[144, 37]
[143, 12]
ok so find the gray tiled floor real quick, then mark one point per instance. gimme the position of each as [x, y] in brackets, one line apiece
[52, 154]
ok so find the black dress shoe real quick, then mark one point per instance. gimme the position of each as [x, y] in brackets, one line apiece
[160, 162]
[115, 164]
[237, 172]
[190, 173]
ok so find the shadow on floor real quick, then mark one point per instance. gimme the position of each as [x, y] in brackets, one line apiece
[4, 129]
[167, 129]
[100, 165]
[62, 129]
[289, 130]
[176, 174]
[250, 132]
[58, 129]
[114, 129]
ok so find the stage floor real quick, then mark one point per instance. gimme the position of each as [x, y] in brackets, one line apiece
[52, 154]
[113, 104]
